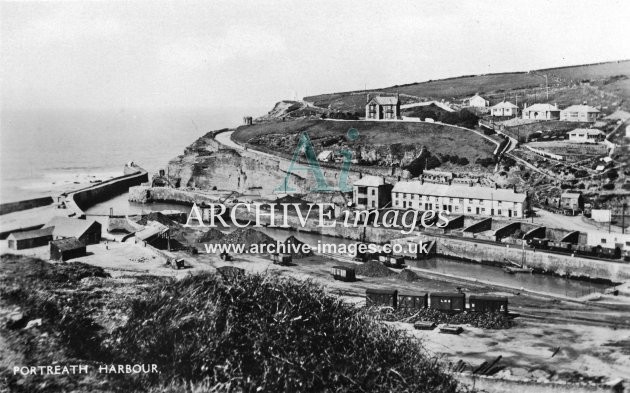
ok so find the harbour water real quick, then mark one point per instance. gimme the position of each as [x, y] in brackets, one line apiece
[534, 282]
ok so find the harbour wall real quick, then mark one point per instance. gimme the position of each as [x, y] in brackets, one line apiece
[79, 200]
[468, 249]
[11, 207]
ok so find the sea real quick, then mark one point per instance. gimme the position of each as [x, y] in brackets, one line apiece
[45, 152]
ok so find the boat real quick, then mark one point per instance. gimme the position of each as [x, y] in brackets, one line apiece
[514, 270]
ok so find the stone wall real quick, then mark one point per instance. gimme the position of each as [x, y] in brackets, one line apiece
[11, 207]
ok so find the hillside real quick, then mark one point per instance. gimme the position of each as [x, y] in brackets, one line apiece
[379, 143]
[602, 84]
[204, 333]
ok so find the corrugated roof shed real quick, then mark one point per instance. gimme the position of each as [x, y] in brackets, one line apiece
[542, 108]
[459, 191]
[69, 227]
[581, 108]
[32, 234]
[618, 115]
[70, 243]
[505, 104]
[153, 228]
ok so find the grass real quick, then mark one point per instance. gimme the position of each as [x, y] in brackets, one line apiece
[608, 77]
[253, 333]
[388, 139]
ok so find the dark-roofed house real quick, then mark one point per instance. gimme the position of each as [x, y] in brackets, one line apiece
[380, 107]
[371, 192]
[29, 239]
[68, 248]
[87, 231]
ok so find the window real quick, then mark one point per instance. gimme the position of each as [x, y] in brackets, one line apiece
[469, 209]
[450, 200]
[470, 201]
[373, 204]
[373, 192]
[603, 241]
[499, 212]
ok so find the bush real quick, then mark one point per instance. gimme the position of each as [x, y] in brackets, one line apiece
[270, 334]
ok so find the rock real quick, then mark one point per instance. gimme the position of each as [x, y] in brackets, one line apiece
[16, 320]
[539, 374]
[33, 323]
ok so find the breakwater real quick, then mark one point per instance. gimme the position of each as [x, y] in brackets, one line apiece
[12, 207]
[79, 200]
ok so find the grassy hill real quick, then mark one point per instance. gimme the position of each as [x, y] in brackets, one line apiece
[609, 79]
[205, 333]
[385, 141]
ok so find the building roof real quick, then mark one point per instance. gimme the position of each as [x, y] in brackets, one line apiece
[504, 104]
[385, 100]
[440, 105]
[571, 195]
[581, 108]
[70, 227]
[324, 155]
[370, 181]
[542, 108]
[70, 243]
[430, 172]
[618, 115]
[153, 228]
[459, 191]
[37, 233]
[587, 131]
[475, 96]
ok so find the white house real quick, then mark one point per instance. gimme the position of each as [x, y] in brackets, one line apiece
[380, 107]
[504, 108]
[325, 156]
[586, 135]
[541, 112]
[581, 113]
[371, 192]
[478, 101]
[459, 199]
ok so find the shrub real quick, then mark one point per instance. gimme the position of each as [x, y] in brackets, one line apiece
[270, 334]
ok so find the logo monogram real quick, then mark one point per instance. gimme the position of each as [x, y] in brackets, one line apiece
[304, 144]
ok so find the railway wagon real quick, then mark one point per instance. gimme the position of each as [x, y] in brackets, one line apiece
[448, 301]
[381, 297]
[539, 243]
[416, 301]
[585, 249]
[343, 273]
[560, 246]
[612, 253]
[488, 303]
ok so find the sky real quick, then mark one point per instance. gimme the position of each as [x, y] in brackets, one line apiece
[213, 54]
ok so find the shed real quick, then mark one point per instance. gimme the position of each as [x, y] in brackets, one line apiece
[29, 239]
[87, 231]
[488, 303]
[381, 297]
[448, 301]
[68, 248]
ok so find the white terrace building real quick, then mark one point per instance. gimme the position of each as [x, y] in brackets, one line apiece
[459, 199]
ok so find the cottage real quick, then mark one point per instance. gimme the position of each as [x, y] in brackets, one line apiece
[572, 200]
[68, 248]
[504, 109]
[87, 231]
[459, 199]
[379, 108]
[437, 176]
[541, 112]
[371, 192]
[581, 113]
[586, 135]
[29, 239]
[477, 101]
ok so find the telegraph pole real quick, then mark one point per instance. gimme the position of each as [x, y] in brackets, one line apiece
[547, 86]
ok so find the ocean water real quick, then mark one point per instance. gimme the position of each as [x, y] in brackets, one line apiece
[43, 152]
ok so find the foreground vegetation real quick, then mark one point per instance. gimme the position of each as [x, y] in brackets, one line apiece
[206, 333]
